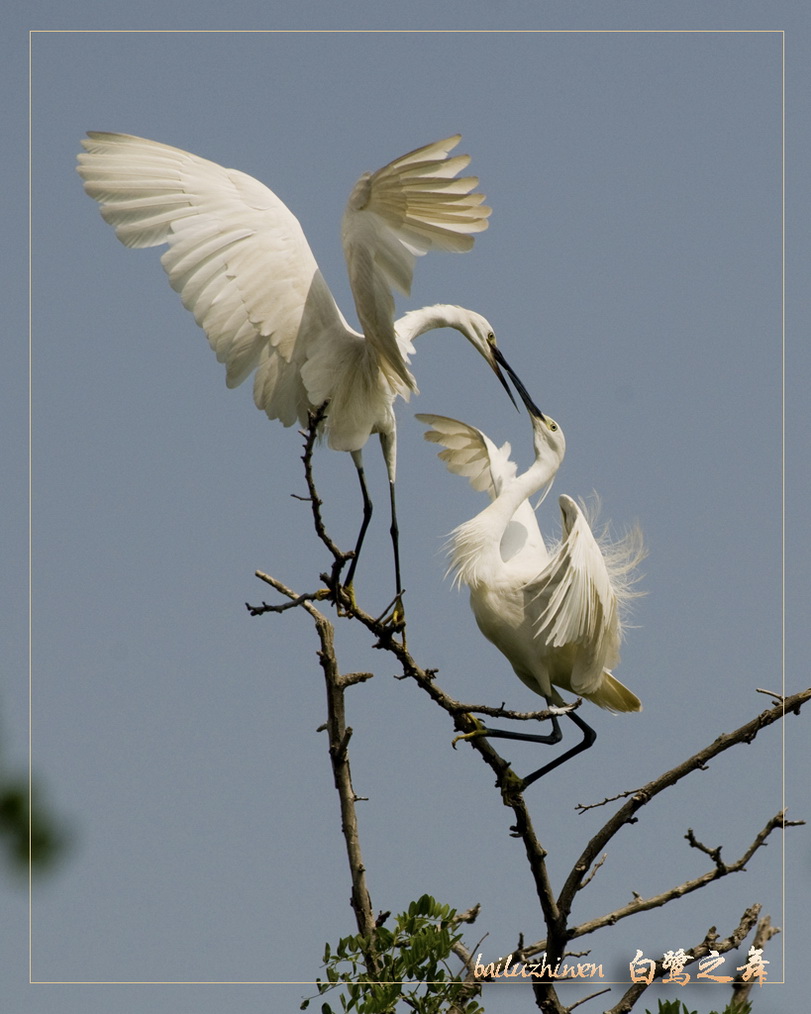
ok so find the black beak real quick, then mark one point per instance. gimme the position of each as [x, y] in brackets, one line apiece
[498, 356]
[532, 408]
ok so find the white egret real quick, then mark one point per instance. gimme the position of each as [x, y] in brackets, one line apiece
[554, 613]
[241, 263]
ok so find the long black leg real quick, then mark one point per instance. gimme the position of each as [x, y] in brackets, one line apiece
[367, 517]
[388, 443]
[589, 735]
[395, 541]
[555, 736]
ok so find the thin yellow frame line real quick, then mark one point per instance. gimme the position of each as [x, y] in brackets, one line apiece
[407, 31]
[783, 457]
[520, 31]
[30, 507]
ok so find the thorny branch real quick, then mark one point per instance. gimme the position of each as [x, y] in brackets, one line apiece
[745, 734]
[339, 735]
[339, 558]
[556, 910]
[625, 814]
[644, 904]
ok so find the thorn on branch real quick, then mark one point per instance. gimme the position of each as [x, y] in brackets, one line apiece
[294, 599]
[778, 698]
[582, 807]
[593, 873]
[339, 752]
[351, 678]
[470, 915]
[266, 607]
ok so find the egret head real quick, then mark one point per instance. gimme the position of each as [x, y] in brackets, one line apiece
[479, 332]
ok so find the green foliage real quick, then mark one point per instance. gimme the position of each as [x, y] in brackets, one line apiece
[677, 1007]
[412, 962]
[46, 839]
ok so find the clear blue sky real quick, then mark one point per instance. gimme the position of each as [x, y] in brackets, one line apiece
[632, 271]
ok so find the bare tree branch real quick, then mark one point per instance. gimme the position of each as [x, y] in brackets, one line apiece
[640, 904]
[295, 601]
[514, 716]
[714, 854]
[625, 815]
[557, 913]
[583, 807]
[339, 735]
[339, 557]
[679, 891]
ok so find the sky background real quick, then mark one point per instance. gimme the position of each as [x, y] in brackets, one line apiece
[632, 272]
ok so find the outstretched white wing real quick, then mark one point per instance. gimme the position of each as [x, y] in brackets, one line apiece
[242, 265]
[470, 453]
[576, 603]
[396, 214]
[237, 256]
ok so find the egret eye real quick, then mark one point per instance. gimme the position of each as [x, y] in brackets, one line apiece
[553, 426]
[491, 337]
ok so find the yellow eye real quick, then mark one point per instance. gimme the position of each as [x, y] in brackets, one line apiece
[553, 426]
[491, 337]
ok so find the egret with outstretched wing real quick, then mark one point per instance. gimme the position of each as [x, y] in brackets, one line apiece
[242, 265]
[555, 613]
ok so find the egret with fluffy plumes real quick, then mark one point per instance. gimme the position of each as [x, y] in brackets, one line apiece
[555, 613]
[242, 265]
